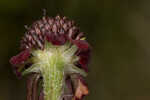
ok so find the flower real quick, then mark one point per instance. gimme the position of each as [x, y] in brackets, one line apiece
[54, 47]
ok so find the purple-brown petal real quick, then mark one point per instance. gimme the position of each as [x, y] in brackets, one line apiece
[84, 58]
[20, 58]
[81, 44]
[83, 61]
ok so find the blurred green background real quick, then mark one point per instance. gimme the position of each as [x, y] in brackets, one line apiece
[118, 30]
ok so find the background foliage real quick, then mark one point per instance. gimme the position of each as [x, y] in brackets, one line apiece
[118, 30]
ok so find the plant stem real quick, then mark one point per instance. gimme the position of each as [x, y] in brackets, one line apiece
[53, 75]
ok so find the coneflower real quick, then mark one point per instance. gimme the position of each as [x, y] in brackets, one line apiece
[54, 55]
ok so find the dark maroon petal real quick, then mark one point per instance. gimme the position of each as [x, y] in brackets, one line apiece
[84, 58]
[81, 44]
[30, 86]
[83, 61]
[35, 87]
[20, 58]
[56, 39]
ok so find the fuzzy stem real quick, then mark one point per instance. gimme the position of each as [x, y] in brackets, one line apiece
[53, 77]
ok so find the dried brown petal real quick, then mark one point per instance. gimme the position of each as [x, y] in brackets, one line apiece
[79, 87]
[81, 90]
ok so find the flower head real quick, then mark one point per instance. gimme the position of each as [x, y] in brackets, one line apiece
[54, 47]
